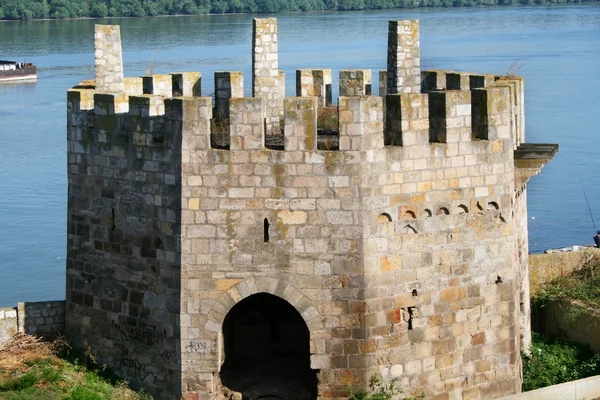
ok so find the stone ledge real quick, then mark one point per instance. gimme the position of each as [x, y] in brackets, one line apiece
[583, 389]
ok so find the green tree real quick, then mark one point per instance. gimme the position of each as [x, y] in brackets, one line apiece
[10, 9]
[203, 6]
[80, 9]
[235, 6]
[272, 6]
[351, 5]
[61, 9]
[331, 4]
[98, 10]
[219, 7]
[39, 10]
[250, 6]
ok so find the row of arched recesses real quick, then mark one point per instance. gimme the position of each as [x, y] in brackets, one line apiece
[267, 350]
[428, 212]
[409, 213]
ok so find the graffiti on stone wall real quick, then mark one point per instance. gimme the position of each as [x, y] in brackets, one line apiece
[137, 370]
[199, 346]
[383, 359]
[139, 331]
[168, 354]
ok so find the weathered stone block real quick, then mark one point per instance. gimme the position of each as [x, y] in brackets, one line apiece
[108, 59]
[315, 82]
[265, 70]
[355, 82]
[403, 59]
[188, 84]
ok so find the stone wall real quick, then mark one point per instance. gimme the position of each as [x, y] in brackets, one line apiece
[355, 82]
[228, 85]
[8, 323]
[401, 252]
[571, 320]
[41, 318]
[123, 280]
[403, 57]
[521, 254]
[439, 85]
[108, 59]
[315, 82]
[265, 72]
[543, 268]
[564, 318]
[319, 204]
[442, 284]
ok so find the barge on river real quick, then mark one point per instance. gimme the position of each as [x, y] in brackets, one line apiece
[11, 71]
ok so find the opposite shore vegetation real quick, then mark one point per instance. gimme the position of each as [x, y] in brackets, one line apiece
[59, 9]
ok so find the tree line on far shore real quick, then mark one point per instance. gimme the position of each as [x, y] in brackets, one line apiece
[57, 9]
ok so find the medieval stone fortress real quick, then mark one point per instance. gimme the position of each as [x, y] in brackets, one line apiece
[222, 248]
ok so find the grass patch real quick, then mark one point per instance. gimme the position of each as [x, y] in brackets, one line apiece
[553, 361]
[582, 285]
[31, 369]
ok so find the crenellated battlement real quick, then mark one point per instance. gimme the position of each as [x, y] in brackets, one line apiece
[441, 130]
[446, 116]
[318, 243]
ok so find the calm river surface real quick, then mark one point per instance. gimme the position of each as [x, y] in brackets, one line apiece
[558, 48]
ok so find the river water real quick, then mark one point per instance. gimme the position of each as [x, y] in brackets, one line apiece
[557, 49]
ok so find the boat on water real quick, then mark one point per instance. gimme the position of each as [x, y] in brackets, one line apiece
[11, 71]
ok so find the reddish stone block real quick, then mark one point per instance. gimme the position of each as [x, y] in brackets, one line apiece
[478, 338]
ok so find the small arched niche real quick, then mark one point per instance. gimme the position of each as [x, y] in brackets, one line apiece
[427, 213]
[492, 205]
[267, 350]
[443, 211]
[384, 218]
[462, 209]
[409, 229]
[409, 214]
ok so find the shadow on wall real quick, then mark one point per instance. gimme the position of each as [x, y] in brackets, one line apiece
[568, 319]
[41, 318]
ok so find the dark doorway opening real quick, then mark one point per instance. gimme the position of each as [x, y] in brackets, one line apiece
[267, 350]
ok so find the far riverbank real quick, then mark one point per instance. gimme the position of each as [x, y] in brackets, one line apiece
[32, 10]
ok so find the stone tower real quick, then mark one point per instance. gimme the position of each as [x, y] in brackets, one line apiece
[206, 259]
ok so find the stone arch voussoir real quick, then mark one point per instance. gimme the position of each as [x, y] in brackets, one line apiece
[254, 285]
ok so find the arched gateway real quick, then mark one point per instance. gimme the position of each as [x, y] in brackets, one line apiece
[266, 347]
